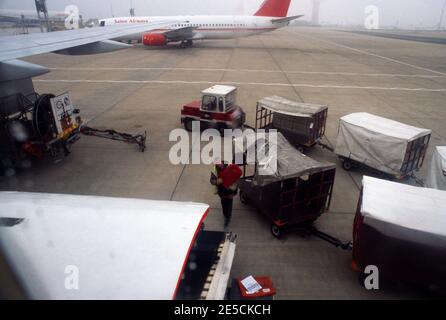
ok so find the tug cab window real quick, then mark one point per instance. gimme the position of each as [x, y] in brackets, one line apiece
[102, 23]
[209, 103]
[230, 101]
[221, 104]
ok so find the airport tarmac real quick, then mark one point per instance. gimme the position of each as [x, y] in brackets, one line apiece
[144, 88]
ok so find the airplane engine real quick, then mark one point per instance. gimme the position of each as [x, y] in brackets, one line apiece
[154, 39]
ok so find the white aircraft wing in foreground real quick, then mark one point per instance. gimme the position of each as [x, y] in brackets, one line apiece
[20, 46]
[83, 247]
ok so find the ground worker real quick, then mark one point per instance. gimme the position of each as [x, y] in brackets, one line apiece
[226, 194]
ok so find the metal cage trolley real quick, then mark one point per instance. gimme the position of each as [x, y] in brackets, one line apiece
[294, 195]
[303, 124]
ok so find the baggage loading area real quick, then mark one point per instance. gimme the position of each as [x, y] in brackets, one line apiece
[320, 91]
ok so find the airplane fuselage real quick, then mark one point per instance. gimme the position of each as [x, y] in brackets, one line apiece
[205, 27]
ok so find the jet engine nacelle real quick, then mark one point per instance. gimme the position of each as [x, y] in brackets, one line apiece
[154, 39]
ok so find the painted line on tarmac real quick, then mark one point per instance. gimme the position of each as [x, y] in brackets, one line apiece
[375, 55]
[299, 85]
[425, 76]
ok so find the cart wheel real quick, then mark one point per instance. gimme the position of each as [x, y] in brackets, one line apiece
[276, 231]
[188, 125]
[301, 149]
[347, 165]
[243, 198]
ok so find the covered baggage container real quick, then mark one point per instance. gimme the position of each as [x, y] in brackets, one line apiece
[401, 230]
[385, 145]
[303, 124]
[296, 194]
[436, 177]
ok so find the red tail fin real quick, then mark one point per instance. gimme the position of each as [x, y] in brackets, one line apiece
[274, 8]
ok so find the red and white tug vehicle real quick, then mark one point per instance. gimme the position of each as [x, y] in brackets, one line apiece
[217, 109]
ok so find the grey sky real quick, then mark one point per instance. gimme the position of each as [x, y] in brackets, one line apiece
[404, 13]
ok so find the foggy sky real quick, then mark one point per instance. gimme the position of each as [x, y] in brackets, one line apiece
[401, 13]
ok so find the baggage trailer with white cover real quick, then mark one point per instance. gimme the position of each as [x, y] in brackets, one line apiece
[303, 124]
[385, 145]
[401, 230]
[436, 177]
[120, 248]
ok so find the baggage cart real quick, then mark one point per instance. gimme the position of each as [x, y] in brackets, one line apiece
[296, 194]
[401, 230]
[303, 124]
[436, 177]
[388, 146]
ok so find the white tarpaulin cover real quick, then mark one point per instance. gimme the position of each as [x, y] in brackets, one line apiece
[436, 177]
[403, 211]
[121, 248]
[375, 141]
[291, 108]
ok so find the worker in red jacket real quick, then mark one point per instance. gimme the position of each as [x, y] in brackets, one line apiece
[226, 194]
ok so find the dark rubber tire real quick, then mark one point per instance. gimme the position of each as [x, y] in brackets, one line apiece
[347, 165]
[276, 231]
[243, 198]
[188, 124]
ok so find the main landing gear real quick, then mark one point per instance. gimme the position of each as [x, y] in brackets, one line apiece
[186, 44]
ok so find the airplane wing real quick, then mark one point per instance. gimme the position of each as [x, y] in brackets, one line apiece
[181, 34]
[87, 247]
[20, 46]
[286, 19]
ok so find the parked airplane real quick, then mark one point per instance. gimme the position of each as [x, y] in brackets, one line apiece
[272, 15]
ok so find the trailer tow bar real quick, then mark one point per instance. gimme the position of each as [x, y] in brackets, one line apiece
[325, 146]
[138, 139]
[348, 246]
[417, 180]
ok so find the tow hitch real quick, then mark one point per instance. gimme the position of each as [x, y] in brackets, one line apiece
[138, 139]
[332, 240]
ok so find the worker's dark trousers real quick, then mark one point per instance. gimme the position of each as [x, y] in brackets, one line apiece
[226, 204]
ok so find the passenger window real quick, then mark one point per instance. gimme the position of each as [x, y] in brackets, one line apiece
[209, 103]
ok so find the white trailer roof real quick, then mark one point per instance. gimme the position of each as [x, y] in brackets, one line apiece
[385, 126]
[122, 248]
[219, 90]
[409, 207]
[292, 108]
